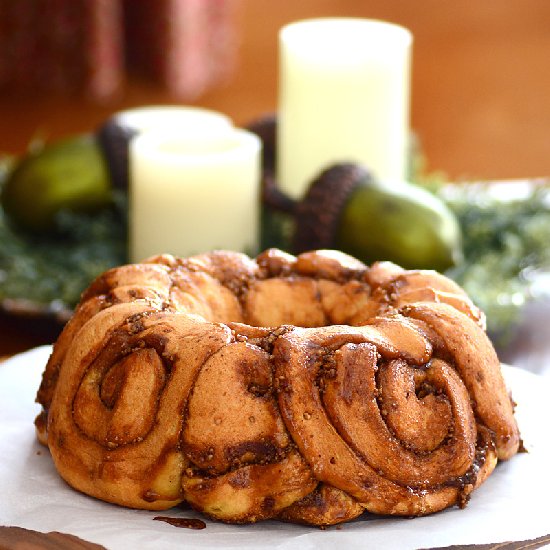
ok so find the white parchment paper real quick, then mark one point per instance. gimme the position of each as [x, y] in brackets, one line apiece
[512, 505]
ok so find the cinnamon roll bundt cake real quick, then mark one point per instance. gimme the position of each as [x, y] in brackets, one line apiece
[309, 389]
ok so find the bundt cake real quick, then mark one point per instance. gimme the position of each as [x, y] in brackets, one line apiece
[308, 389]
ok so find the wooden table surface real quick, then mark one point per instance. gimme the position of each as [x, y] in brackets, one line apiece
[19, 334]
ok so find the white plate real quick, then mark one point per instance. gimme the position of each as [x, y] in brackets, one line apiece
[511, 505]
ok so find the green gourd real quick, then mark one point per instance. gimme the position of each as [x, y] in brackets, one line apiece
[67, 175]
[348, 209]
[400, 222]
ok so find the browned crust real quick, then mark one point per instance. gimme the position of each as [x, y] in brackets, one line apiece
[306, 388]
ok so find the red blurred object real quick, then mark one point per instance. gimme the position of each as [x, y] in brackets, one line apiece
[70, 46]
[185, 45]
[86, 46]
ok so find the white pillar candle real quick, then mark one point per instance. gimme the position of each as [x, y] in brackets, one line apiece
[150, 117]
[116, 133]
[194, 192]
[343, 96]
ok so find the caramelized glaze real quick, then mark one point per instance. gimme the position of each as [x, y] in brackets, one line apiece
[307, 389]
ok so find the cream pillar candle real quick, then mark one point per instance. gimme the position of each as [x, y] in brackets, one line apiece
[193, 192]
[343, 96]
[115, 135]
[150, 117]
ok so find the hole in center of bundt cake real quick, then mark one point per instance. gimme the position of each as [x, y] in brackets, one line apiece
[288, 301]
[307, 302]
[291, 296]
[267, 303]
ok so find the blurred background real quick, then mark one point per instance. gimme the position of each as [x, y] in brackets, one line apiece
[480, 76]
[480, 108]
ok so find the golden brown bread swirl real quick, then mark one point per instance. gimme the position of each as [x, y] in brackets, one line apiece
[309, 389]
